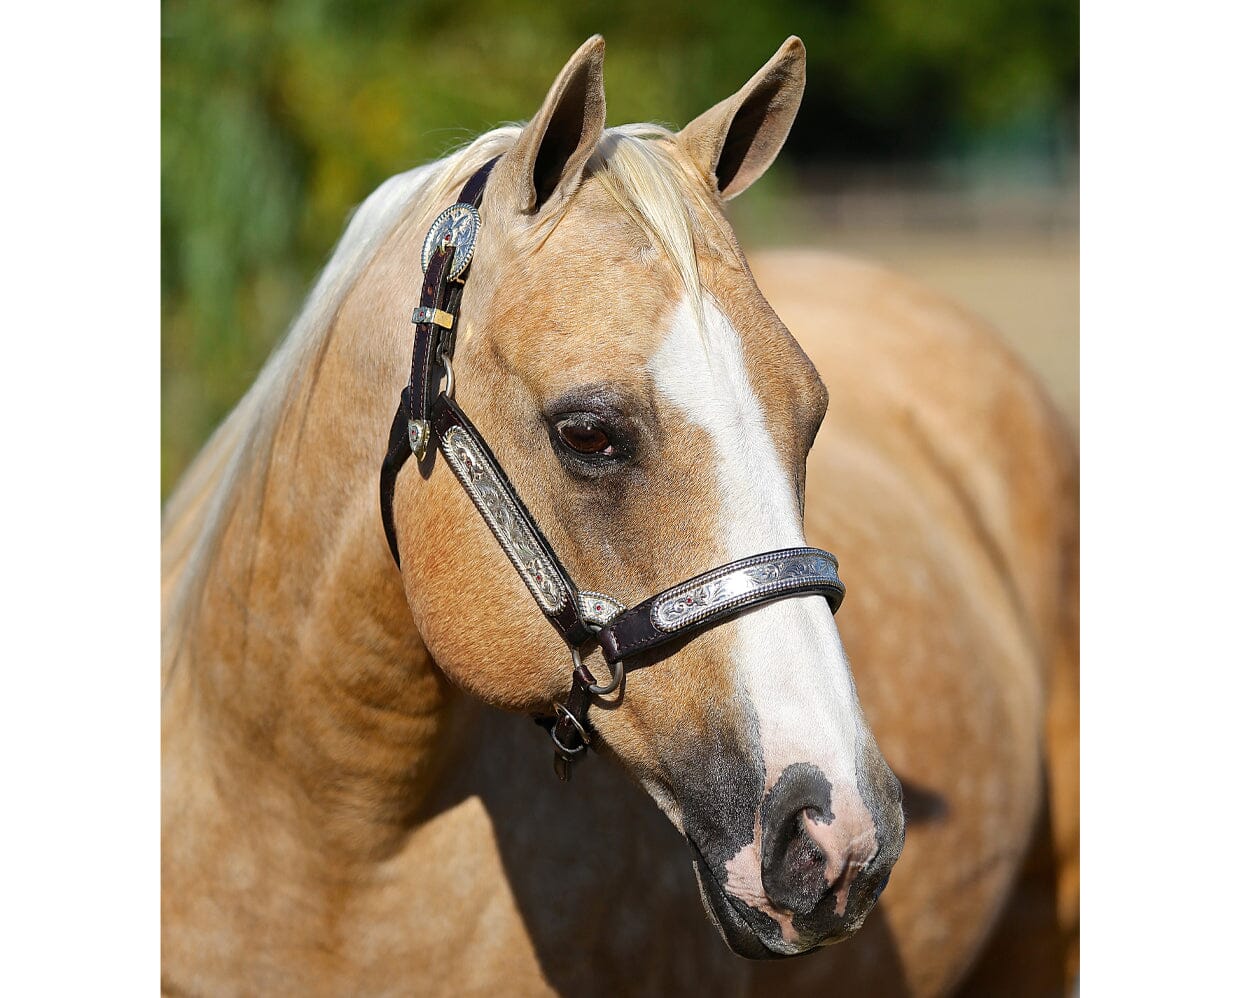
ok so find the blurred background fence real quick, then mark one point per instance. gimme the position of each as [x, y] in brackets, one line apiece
[938, 137]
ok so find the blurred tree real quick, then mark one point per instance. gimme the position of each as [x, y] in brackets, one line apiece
[280, 115]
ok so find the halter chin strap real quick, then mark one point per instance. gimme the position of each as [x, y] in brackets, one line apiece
[580, 617]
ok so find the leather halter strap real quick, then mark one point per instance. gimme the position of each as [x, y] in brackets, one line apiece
[625, 636]
[715, 596]
[484, 481]
[432, 342]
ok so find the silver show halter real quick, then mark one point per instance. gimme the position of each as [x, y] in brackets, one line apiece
[625, 635]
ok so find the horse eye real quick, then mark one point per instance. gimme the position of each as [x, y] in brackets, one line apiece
[585, 439]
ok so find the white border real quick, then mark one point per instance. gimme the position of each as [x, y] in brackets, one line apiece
[80, 411]
[1160, 226]
[1160, 230]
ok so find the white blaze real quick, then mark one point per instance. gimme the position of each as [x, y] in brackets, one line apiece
[788, 655]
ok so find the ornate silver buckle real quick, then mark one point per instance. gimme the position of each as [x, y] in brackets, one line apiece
[456, 227]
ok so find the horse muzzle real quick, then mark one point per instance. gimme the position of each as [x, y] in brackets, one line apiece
[816, 870]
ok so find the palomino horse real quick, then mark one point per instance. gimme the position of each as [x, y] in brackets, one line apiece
[345, 809]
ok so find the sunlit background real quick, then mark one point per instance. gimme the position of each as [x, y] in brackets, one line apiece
[937, 137]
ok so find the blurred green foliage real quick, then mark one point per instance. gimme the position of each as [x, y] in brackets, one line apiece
[280, 115]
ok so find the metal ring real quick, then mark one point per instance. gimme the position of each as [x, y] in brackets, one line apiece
[564, 712]
[449, 383]
[617, 676]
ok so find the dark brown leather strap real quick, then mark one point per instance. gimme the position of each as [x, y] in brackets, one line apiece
[569, 730]
[431, 343]
[484, 480]
[429, 337]
[399, 451]
[471, 193]
[713, 597]
[440, 294]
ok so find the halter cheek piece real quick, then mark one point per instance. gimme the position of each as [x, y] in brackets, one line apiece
[580, 616]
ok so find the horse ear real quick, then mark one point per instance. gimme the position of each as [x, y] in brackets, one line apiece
[546, 162]
[736, 140]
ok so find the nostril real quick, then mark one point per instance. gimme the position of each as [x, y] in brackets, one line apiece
[794, 865]
[820, 855]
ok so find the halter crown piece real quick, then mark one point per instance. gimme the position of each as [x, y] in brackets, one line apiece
[428, 412]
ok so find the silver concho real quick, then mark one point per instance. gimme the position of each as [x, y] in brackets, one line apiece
[597, 609]
[481, 481]
[685, 604]
[456, 226]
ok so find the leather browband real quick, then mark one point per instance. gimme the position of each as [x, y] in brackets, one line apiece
[579, 617]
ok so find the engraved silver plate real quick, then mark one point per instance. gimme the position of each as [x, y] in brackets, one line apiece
[456, 226]
[481, 479]
[597, 609]
[419, 434]
[719, 590]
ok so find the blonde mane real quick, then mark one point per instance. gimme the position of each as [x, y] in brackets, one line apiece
[633, 163]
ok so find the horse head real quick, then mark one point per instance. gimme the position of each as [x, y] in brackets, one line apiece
[655, 415]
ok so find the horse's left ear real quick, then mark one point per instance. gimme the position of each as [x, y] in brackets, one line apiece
[736, 140]
[546, 162]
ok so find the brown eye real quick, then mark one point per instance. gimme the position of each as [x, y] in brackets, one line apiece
[585, 439]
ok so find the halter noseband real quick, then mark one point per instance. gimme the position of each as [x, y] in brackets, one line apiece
[580, 616]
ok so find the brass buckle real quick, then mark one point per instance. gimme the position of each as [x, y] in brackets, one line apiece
[425, 313]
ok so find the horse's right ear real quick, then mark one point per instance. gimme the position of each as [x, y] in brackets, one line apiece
[736, 140]
[545, 165]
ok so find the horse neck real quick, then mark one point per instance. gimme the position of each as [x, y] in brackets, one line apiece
[296, 672]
